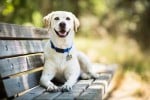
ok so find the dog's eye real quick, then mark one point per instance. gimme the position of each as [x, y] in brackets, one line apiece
[67, 18]
[56, 18]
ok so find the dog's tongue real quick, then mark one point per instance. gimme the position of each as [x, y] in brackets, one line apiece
[62, 31]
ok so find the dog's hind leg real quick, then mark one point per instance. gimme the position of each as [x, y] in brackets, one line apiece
[86, 67]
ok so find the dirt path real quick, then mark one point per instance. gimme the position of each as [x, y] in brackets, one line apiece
[131, 88]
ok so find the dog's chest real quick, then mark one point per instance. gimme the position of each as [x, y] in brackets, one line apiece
[60, 62]
[61, 66]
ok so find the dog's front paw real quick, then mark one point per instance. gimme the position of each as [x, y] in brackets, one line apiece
[52, 88]
[66, 88]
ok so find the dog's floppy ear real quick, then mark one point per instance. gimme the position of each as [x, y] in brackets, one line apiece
[76, 23]
[47, 20]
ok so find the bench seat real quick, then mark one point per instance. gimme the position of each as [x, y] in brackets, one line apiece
[21, 64]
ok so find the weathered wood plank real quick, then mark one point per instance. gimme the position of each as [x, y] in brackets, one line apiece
[97, 88]
[103, 81]
[93, 92]
[10, 66]
[67, 96]
[21, 83]
[47, 96]
[82, 90]
[18, 31]
[91, 95]
[33, 93]
[85, 82]
[78, 88]
[19, 47]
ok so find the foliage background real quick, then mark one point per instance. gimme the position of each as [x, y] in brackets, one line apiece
[129, 17]
[111, 31]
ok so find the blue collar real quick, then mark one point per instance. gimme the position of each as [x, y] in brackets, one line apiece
[59, 49]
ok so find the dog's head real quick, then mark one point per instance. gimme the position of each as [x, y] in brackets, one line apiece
[61, 22]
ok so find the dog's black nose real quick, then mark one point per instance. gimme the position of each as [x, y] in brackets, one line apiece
[62, 25]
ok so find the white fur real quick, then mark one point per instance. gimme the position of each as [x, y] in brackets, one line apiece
[56, 64]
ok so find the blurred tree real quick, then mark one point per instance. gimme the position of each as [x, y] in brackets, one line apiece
[46, 6]
[143, 30]
[31, 11]
[129, 18]
[20, 11]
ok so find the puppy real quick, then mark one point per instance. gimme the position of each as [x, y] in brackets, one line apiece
[62, 60]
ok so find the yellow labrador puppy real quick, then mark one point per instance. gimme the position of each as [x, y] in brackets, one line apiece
[62, 60]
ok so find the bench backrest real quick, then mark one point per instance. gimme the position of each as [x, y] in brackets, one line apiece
[21, 58]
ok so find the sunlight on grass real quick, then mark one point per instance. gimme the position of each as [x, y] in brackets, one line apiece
[122, 50]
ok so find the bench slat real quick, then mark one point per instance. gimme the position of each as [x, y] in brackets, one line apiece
[19, 47]
[104, 81]
[47, 96]
[19, 84]
[18, 31]
[78, 88]
[88, 95]
[31, 94]
[97, 89]
[10, 66]
[93, 92]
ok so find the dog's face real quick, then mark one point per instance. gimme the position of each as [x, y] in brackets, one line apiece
[61, 23]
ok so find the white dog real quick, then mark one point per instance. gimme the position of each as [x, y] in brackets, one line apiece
[62, 60]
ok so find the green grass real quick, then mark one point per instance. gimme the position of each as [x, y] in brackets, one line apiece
[123, 51]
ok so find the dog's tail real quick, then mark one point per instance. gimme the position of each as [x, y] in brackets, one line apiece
[87, 66]
[102, 68]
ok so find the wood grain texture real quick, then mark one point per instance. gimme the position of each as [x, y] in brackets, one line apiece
[47, 96]
[82, 90]
[19, 47]
[98, 88]
[18, 31]
[19, 84]
[90, 95]
[78, 88]
[33, 93]
[10, 66]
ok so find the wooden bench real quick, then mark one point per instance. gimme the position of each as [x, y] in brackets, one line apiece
[21, 64]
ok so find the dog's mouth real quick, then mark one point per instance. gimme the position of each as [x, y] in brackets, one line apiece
[62, 33]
